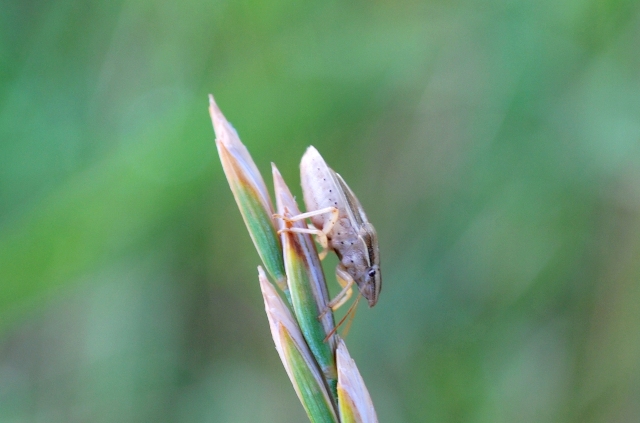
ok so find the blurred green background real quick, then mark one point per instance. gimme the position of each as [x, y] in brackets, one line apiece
[495, 145]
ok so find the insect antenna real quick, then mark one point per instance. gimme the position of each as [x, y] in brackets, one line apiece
[351, 310]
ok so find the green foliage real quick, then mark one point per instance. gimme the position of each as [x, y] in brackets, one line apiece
[494, 147]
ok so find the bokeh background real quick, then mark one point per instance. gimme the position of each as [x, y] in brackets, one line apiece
[495, 145]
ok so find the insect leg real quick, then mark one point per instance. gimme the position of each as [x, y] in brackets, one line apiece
[328, 224]
[346, 281]
[320, 233]
[351, 313]
[325, 247]
[322, 237]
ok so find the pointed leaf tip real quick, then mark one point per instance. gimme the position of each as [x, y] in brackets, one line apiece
[250, 193]
[355, 402]
[296, 357]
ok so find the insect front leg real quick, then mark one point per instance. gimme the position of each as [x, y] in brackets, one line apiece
[320, 233]
[328, 224]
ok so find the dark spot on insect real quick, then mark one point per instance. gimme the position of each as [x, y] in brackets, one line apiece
[372, 273]
[329, 190]
[351, 261]
[352, 243]
[324, 179]
[338, 233]
[342, 242]
[336, 203]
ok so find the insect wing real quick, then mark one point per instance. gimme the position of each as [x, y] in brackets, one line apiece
[351, 204]
[356, 214]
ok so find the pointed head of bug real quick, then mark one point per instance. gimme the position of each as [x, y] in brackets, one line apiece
[373, 283]
[372, 278]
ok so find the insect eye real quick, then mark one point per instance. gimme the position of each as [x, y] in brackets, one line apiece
[372, 273]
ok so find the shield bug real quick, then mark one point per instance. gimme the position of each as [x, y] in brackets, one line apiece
[341, 225]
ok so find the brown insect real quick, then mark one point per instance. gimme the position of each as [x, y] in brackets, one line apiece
[341, 225]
